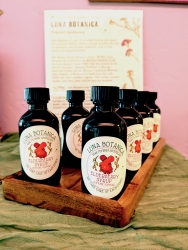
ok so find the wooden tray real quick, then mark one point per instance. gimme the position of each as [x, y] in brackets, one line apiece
[67, 198]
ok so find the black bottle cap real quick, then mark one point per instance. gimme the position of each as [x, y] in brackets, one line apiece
[75, 95]
[32, 95]
[152, 96]
[104, 93]
[127, 94]
[142, 96]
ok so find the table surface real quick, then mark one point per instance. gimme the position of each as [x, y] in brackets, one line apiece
[160, 220]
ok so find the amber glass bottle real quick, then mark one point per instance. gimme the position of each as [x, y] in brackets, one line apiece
[156, 116]
[147, 114]
[134, 123]
[71, 120]
[39, 139]
[104, 139]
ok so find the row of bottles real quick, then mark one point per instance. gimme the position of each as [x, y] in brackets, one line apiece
[109, 143]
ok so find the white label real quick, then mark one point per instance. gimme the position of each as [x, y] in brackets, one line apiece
[147, 142]
[74, 138]
[134, 147]
[104, 166]
[156, 126]
[40, 151]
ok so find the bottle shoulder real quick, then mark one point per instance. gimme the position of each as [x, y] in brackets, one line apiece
[144, 110]
[38, 117]
[131, 116]
[74, 112]
[107, 124]
[37, 114]
[131, 112]
[155, 108]
[103, 117]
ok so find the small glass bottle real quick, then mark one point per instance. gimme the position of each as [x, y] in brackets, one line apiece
[147, 114]
[156, 116]
[71, 120]
[134, 123]
[39, 139]
[104, 140]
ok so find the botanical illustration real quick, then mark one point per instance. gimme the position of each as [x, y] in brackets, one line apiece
[148, 135]
[104, 164]
[132, 25]
[135, 147]
[40, 150]
[155, 127]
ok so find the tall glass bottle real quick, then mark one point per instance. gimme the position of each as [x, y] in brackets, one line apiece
[134, 123]
[71, 120]
[156, 116]
[39, 139]
[104, 140]
[147, 114]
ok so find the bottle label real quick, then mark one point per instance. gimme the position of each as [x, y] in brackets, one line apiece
[147, 142]
[156, 126]
[134, 147]
[40, 151]
[104, 166]
[74, 138]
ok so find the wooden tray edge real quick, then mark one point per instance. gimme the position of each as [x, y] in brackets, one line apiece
[135, 190]
[65, 201]
[62, 200]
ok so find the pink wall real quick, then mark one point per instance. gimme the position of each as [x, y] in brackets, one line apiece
[165, 59]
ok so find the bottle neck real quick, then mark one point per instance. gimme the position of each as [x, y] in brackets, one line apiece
[76, 104]
[127, 104]
[141, 103]
[39, 106]
[105, 106]
[151, 102]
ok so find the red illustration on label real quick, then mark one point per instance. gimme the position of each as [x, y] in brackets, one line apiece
[105, 165]
[40, 150]
[135, 146]
[138, 146]
[148, 135]
[155, 126]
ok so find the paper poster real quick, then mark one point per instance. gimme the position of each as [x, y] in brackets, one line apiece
[85, 48]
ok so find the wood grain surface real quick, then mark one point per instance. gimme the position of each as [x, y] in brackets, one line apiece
[67, 198]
